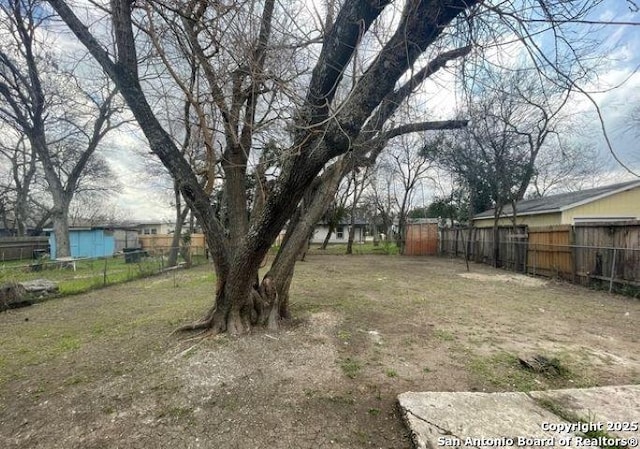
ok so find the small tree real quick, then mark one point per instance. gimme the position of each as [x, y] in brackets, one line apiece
[359, 181]
[410, 167]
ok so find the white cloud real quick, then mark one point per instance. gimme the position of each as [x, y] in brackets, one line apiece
[144, 194]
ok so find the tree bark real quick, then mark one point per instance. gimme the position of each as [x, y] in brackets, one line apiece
[60, 218]
[352, 231]
[318, 199]
[181, 215]
[23, 170]
[496, 236]
[327, 237]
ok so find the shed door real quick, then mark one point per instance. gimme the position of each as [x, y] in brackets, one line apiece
[74, 243]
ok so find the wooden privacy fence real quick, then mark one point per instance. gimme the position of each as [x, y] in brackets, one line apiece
[160, 244]
[586, 252]
[19, 248]
[477, 245]
[549, 251]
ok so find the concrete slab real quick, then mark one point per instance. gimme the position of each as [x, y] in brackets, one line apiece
[481, 420]
[465, 419]
[40, 286]
[617, 408]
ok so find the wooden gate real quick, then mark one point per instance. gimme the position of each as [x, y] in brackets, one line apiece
[421, 239]
[550, 252]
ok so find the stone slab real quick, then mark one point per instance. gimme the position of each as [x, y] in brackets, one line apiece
[40, 286]
[617, 408]
[441, 419]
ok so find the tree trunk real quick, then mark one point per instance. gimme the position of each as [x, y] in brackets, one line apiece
[185, 248]
[328, 236]
[181, 215]
[60, 218]
[172, 260]
[402, 223]
[299, 231]
[496, 243]
[235, 198]
[400, 238]
[21, 214]
[352, 232]
[242, 302]
[376, 235]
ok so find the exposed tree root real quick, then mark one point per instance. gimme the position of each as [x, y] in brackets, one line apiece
[200, 336]
[204, 325]
[261, 309]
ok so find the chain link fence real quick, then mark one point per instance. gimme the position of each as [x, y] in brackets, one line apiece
[76, 275]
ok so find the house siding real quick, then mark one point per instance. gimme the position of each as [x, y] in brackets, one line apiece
[321, 232]
[156, 228]
[624, 204]
[550, 219]
[620, 205]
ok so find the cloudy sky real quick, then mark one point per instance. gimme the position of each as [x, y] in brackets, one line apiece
[619, 84]
[616, 90]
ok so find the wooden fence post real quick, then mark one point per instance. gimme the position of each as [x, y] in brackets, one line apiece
[613, 269]
[572, 254]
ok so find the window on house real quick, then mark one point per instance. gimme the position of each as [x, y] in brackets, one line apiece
[146, 231]
[154, 231]
[340, 232]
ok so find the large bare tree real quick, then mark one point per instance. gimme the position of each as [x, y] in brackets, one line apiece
[335, 123]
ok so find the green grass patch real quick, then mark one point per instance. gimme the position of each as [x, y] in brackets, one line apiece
[503, 371]
[341, 399]
[443, 335]
[99, 323]
[67, 343]
[564, 413]
[176, 412]
[344, 335]
[89, 274]
[383, 248]
[350, 367]
[76, 380]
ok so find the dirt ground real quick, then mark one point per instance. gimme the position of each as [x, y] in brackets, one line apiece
[102, 370]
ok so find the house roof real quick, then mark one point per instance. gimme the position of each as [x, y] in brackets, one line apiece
[561, 202]
[153, 223]
[346, 221]
[105, 226]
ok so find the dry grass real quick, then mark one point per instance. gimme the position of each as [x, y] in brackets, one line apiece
[99, 370]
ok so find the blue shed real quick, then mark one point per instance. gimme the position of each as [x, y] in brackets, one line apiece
[87, 242]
